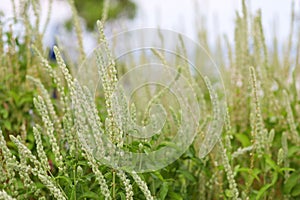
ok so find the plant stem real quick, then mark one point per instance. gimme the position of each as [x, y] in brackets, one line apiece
[114, 185]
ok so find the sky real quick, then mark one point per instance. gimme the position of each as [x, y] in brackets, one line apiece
[217, 16]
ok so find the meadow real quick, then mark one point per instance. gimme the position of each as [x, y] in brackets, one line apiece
[56, 134]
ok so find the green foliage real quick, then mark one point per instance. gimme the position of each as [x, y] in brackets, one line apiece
[91, 10]
[15, 98]
[41, 154]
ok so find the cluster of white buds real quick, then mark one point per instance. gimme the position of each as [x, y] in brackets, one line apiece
[241, 151]
[98, 174]
[40, 149]
[108, 73]
[229, 173]
[57, 193]
[37, 170]
[42, 109]
[5, 196]
[25, 152]
[259, 133]
[24, 174]
[142, 185]
[52, 114]
[295, 138]
[52, 73]
[10, 161]
[284, 144]
[127, 185]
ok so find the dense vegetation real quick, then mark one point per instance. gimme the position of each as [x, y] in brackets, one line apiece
[43, 156]
[91, 10]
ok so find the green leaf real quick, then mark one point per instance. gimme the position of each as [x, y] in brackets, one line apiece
[228, 193]
[82, 163]
[156, 174]
[286, 169]
[291, 182]
[7, 125]
[198, 161]
[263, 190]
[89, 195]
[174, 196]
[73, 194]
[242, 138]
[271, 163]
[108, 175]
[4, 113]
[168, 144]
[25, 99]
[187, 175]
[163, 191]
[39, 185]
[122, 195]
[296, 190]
[254, 172]
[292, 150]
[65, 179]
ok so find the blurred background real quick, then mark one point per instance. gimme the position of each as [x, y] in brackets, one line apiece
[216, 17]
